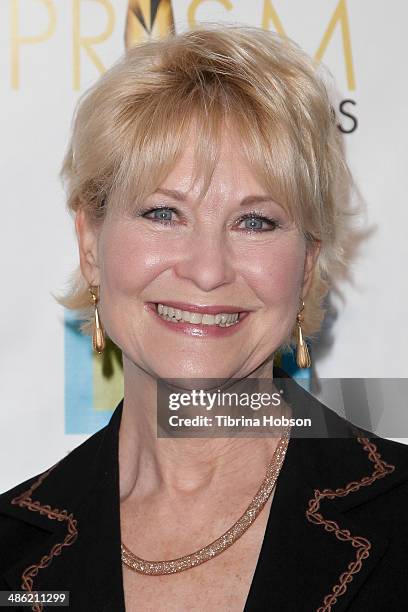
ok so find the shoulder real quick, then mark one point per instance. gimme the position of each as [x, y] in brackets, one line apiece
[26, 508]
[366, 472]
[65, 484]
[352, 444]
[60, 506]
[356, 465]
[391, 450]
[80, 455]
[100, 449]
[334, 432]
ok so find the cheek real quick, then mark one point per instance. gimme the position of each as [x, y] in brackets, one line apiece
[276, 273]
[129, 262]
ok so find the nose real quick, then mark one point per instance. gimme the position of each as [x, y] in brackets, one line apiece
[206, 260]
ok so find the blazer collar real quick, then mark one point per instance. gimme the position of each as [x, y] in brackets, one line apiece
[313, 556]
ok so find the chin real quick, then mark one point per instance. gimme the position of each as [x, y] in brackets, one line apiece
[195, 371]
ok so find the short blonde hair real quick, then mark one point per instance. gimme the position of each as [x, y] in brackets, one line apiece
[129, 129]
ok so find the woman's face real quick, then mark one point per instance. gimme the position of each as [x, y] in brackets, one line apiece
[203, 253]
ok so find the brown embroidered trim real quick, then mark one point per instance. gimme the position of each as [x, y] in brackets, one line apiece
[25, 501]
[363, 545]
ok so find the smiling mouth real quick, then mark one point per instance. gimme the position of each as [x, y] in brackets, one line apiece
[177, 315]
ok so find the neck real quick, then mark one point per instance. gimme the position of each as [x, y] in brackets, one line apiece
[177, 467]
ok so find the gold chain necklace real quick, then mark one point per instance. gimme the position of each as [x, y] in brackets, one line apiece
[159, 568]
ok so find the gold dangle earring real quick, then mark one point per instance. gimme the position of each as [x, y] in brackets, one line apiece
[98, 336]
[302, 352]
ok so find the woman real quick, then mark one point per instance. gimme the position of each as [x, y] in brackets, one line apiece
[202, 172]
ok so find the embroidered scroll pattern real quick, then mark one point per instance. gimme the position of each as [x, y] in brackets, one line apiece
[25, 501]
[363, 546]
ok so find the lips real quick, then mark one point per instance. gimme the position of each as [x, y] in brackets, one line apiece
[198, 329]
[213, 310]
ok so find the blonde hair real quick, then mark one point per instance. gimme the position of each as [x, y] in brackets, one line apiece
[129, 129]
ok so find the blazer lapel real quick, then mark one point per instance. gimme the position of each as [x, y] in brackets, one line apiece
[315, 556]
[76, 506]
[310, 562]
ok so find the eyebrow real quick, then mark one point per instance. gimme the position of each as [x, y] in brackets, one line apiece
[247, 201]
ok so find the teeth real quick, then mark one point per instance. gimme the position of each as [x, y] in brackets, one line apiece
[174, 315]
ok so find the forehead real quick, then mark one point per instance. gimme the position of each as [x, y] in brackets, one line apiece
[232, 176]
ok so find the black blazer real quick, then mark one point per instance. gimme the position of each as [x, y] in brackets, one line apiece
[336, 537]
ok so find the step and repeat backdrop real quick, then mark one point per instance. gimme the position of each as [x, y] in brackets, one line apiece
[54, 391]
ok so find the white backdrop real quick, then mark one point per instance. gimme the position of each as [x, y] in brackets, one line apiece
[50, 51]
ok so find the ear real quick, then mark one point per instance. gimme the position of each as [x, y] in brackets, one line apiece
[87, 236]
[312, 254]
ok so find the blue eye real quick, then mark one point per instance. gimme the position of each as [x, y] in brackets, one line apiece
[163, 214]
[256, 221]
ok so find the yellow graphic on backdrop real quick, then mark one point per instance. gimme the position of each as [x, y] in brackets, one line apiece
[147, 19]
[86, 42]
[153, 19]
[270, 14]
[340, 16]
[17, 40]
